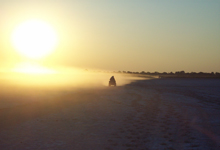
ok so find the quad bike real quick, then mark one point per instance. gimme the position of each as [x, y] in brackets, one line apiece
[112, 82]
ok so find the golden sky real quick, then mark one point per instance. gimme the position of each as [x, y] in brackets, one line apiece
[120, 34]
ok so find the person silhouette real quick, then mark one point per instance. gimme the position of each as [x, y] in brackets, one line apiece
[112, 81]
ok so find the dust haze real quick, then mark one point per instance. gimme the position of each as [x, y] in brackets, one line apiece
[60, 79]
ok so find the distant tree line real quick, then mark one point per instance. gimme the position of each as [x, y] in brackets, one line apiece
[175, 74]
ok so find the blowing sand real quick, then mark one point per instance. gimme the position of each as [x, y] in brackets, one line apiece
[149, 114]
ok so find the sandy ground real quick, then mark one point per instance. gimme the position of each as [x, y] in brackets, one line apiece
[150, 114]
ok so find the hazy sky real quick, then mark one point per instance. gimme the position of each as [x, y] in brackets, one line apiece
[130, 35]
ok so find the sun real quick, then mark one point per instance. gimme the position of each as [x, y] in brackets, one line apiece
[34, 38]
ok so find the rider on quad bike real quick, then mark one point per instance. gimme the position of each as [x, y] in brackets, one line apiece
[112, 81]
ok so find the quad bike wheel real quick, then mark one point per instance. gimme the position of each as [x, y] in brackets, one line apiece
[112, 83]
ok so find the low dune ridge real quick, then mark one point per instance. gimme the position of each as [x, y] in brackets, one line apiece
[146, 114]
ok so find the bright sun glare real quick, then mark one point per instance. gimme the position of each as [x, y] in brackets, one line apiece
[34, 38]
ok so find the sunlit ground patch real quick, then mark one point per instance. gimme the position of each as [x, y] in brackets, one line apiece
[30, 68]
